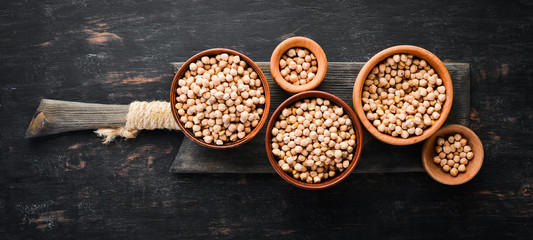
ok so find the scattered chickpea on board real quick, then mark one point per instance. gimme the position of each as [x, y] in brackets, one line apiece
[298, 66]
[403, 96]
[313, 140]
[220, 98]
[453, 154]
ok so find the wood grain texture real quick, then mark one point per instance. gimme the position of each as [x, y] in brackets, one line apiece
[70, 186]
[377, 157]
[56, 116]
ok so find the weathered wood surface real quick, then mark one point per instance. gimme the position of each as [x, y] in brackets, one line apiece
[377, 157]
[56, 116]
[70, 186]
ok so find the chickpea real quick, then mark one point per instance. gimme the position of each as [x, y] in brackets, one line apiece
[467, 149]
[451, 163]
[285, 167]
[459, 153]
[400, 92]
[454, 172]
[318, 134]
[295, 66]
[443, 162]
[213, 94]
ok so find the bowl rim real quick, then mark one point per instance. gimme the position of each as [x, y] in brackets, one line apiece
[253, 65]
[302, 42]
[421, 53]
[357, 128]
[474, 141]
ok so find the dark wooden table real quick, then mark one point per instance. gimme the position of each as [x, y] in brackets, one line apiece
[114, 52]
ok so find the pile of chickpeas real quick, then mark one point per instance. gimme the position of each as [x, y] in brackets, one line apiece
[313, 140]
[453, 154]
[220, 98]
[403, 96]
[298, 66]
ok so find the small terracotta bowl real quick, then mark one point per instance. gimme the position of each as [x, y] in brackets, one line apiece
[418, 52]
[185, 67]
[296, 42]
[435, 170]
[357, 128]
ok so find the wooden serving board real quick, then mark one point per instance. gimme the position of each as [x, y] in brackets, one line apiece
[377, 157]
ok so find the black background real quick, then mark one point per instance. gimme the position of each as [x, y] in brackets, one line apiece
[114, 52]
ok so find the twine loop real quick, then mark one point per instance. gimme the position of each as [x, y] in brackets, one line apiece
[141, 116]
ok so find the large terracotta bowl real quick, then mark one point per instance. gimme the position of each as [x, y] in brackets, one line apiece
[357, 129]
[418, 52]
[181, 72]
[298, 42]
[435, 171]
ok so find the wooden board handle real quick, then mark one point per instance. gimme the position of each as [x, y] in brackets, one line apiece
[55, 116]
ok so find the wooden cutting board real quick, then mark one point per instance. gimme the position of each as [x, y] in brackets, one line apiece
[377, 157]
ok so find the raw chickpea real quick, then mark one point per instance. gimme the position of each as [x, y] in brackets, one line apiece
[446, 149]
[458, 137]
[467, 149]
[318, 134]
[285, 167]
[443, 162]
[404, 92]
[295, 66]
[210, 98]
[454, 172]
[451, 163]
[459, 153]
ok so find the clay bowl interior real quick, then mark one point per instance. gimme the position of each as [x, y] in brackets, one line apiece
[302, 42]
[357, 128]
[421, 53]
[435, 171]
[181, 72]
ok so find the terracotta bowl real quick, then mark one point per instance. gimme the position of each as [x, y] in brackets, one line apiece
[357, 128]
[435, 171]
[302, 42]
[421, 53]
[181, 72]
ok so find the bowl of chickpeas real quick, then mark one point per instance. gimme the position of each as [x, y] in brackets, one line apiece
[220, 98]
[453, 155]
[403, 95]
[298, 64]
[314, 140]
